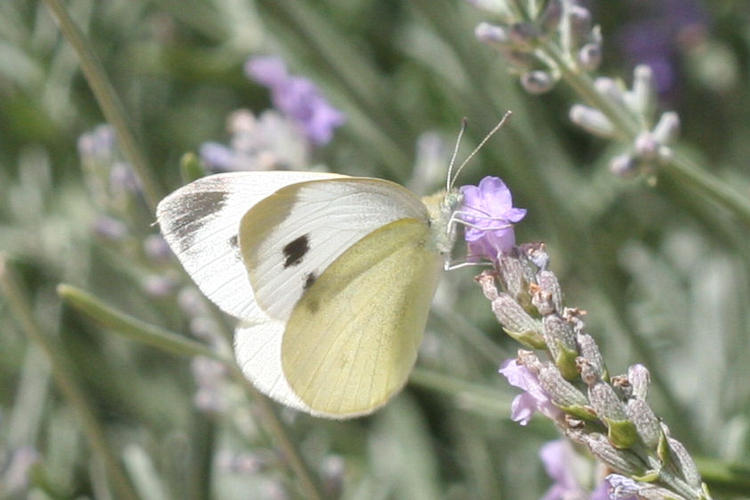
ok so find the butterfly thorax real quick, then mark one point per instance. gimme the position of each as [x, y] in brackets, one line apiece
[441, 206]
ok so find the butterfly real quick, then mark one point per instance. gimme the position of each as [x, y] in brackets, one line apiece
[331, 278]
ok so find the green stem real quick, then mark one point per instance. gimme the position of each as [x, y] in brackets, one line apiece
[133, 328]
[625, 124]
[66, 382]
[140, 331]
[107, 98]
[310, 486]
[684, 170]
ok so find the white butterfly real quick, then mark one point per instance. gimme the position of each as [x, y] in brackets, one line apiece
[331, 277]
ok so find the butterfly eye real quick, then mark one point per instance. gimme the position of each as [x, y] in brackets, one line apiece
[295, 250]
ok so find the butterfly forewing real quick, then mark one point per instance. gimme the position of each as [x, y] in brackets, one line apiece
[201, 220]
[289, 239]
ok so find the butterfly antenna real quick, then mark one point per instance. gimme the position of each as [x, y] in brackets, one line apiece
[448, 183]
[452, 180]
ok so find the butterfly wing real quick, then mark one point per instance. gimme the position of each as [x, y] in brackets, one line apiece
[289, 238]
[352, 339]
[201, 221]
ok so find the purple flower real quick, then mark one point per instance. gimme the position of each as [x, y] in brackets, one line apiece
[269, 141]
[296, 97]
[623, 488]
[566, 467]
[217, 156]
[662, 29]
[534, 399]
[559, 459]
[97, 144]
[601, 492]
[489, 215]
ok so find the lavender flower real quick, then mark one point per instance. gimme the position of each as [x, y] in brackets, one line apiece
[565, 466]
[654, 39]
[269, 141]
[99, 143]
[296, 97]
[534, 399]
[489, 215]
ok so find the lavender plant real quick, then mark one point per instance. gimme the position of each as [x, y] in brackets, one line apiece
[660, 268]
[570, 385]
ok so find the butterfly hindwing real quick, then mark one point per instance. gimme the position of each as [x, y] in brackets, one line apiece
[352, 339]
[291, 237]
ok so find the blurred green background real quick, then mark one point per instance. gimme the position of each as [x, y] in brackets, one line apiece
[663, 273]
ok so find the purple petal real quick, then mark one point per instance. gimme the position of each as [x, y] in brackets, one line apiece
[489, 215]
[267, 70]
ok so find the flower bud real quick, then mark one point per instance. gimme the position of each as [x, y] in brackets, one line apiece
[646, 147]
[610, 89]
[641, 98]
[524, 36]
[537, 82]
[560, 340]
[646, 423]
[684, 462]
[621, 461]
[492, 34]
[623, 166]
[592, 120]
[512, 275]
[667, 128]
[639, 378]
[590, 352]
[497, 7]
[562, 392]
[590, 56]
[516, 321]
[589, 374]
[580, 23]
[550, 17]
[549, 287]
[537, 253]
[621, 432]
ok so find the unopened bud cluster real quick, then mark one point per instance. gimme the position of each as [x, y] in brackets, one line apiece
[553, 39]
[607, 414]
[521, 38]
[650, 146]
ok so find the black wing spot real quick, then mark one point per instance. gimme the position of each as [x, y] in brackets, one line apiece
[295, 251]
[309, 280]
[234, 244]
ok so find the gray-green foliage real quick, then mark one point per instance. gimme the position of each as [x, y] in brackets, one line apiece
[661, 270]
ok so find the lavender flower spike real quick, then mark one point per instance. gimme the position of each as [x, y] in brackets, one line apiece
[296, 97]
[489, 215]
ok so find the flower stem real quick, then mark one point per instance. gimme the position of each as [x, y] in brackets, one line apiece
[310, 486]
[625, 125]
[107, 99]
[66, 382]
[135, 329]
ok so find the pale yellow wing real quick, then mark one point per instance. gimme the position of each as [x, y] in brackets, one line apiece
[352, 338]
